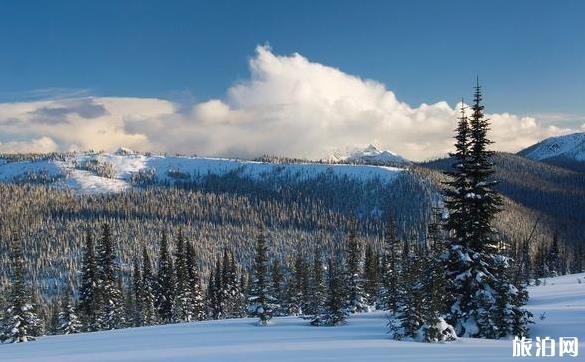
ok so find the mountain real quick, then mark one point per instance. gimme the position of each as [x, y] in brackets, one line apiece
[365, 337]
[566, 151]
[371, 156]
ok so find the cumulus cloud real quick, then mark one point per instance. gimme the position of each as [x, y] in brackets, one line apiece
[289, 106]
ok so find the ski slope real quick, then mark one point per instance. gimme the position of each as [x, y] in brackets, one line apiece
[68, 172]
[291, 339]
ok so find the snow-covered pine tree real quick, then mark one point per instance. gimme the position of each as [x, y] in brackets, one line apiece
[165, 282]
[371, 275]
[317, 290]
[553, 258]
[389, 294]
[137, 312]
[278, 287]
[354, 284]
[69, 323]
[215, 296]
[335, 312]
[261, 302]
[211, 296]
[472, 250]
[231, 296]
[238, 297]
[183, 301]
[147, 293]
[89, 298]
[19, 321]
[435, 282]
[111, 313]
[38, 308]
[406, 322]
[198, 312]
[299, 287]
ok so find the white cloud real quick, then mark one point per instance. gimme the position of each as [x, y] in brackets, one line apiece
[39, 145]
[289, 106]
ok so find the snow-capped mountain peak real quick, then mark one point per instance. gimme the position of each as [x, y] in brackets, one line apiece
[570, 147]
[371, 155]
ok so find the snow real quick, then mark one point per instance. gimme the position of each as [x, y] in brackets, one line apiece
[363, 338]
[127, 163]
[371, 155]
[570, 146]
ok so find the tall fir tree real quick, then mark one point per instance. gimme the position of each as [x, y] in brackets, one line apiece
[317, 291]
[137, 291]
[371, 275]
[111, 313]
[89, 298]
[472, 259]
[261, 302]
[194, 280]
[165, 286]
[147, 294]
[389, 294]
[335, 311]
[299, 287]
[278, 287]
[183, 301]
[19, 321]
[356, 297]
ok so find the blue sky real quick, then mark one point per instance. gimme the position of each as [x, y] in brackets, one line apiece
[529, 55]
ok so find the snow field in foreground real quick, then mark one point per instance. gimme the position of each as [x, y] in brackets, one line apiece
[364, 338]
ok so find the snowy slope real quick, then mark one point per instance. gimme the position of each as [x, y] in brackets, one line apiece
[364, 338]
[571, 147]
[80, 171]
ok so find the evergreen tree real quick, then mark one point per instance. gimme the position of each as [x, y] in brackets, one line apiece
[261, 302]
[137, 311]
[357, 301]
[317, 288]
[165, 283]
[553, 258]
[194, 281]
[147, 293]
[183, 301]
[471, 260]
[335, 312]
[19, 320]
[89, 298]
[392, 260]
[299, 287]
[422, 300]
[212, 296]
[69, 323]
[111, 313]
[278, 287]
[53, 327]
[371, 275]
[229, 290]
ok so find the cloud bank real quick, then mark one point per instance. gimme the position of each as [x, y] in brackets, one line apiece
[289, 106]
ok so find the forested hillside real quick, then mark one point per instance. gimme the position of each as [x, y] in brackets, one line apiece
[552, 195]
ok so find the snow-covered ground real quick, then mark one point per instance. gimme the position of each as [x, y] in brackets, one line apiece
[291, 339]
[70, 172]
